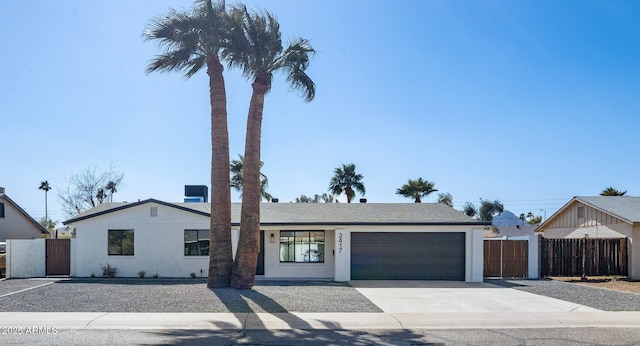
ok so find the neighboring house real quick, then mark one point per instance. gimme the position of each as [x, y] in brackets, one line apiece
[426, 241]
[599, 217]
[15, 223]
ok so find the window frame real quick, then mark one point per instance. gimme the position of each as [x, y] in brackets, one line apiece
[291, 247]
[1, 210]
[123, 237]
[198, 242]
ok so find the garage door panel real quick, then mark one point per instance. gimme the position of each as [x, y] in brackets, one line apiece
[407, 256]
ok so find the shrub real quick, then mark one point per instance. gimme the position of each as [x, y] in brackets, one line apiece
[108, 271]
[193, 275]
[155, 276]
[93, 275]
[141, 274]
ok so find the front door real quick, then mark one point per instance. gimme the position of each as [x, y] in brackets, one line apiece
[260, 265]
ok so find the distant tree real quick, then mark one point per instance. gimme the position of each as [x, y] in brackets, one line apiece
[489, 209]
[530, 219]
[86, 189]
[324, 198]
[536, 220]
[445, 198]
[610, 191]
[469, 209]
[44, 186]
[345, 179]
[236, 169]
[416, 189]
[112, 187]
[307, 199]
[47, 223]
[101, 195]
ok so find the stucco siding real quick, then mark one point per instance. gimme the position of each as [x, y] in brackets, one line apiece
[158, 243]
[15, 225]
[276, 269]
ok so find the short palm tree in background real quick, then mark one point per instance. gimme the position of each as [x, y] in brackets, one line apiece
[236, 178]
[345, 179]
[610, 191]
[417, 189]
[192, 41]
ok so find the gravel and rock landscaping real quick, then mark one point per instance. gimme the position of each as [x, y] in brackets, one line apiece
[192, 295]
[179, 295]
[595, 297]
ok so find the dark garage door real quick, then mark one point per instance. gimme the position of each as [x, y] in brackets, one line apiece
[407, 256]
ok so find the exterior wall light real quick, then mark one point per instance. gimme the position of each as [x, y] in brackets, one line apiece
[273, 238]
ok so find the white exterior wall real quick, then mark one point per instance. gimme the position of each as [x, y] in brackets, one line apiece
[274, 269]
[474, 248]
[158, 243]
[26, 258]
[159, 246]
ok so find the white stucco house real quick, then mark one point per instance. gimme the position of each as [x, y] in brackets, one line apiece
[340, 242]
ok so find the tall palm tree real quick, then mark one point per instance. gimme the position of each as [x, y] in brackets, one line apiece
[346, 180]
[193, 41]
[610, 191]
[259, 53]
[236, 178]
[416, 189]
[44, 186]
[112, 187]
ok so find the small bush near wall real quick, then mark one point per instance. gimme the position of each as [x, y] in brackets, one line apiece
[193, 275]
[108, 271]
[141, 274]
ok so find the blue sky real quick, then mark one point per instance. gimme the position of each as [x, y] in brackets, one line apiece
[527, 102]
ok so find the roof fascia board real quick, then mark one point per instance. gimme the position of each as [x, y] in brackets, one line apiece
[132, 205]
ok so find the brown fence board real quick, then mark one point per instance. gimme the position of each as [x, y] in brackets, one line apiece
[58, 253]
[506, 258]
[602, 256]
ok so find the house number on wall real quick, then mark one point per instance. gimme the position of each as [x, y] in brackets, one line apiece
[340, 242]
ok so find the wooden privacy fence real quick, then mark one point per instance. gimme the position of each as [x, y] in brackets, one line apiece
[58, 253]
[599, 256]
[506, 258]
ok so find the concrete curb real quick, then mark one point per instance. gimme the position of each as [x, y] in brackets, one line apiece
[318, 321]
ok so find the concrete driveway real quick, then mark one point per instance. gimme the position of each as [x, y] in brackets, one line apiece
[454, 296]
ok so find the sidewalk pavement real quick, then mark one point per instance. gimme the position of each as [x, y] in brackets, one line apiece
[326, 321]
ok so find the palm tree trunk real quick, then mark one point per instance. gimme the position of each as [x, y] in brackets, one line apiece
[220, 252]
[244, 266]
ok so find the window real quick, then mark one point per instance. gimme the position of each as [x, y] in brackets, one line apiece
[153, 211]
[302, 246]
[121, 242]
[196, 242]
[1, 210]
[580, 212]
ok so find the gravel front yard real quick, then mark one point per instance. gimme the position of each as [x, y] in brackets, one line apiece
[192, 295]
[595, 297]
[179, 295]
